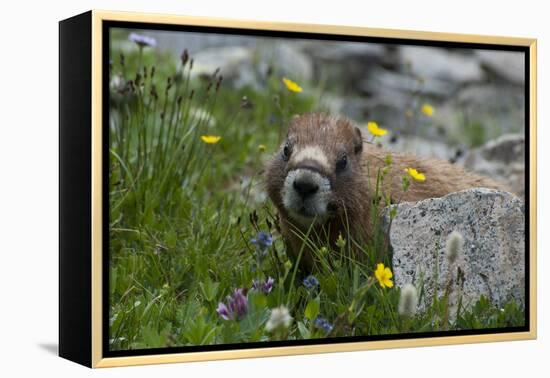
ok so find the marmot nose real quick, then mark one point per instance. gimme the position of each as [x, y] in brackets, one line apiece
[305, 188]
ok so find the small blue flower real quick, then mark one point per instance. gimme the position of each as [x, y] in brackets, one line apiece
[142, 40]
[263, 240]
[310, 282]
[323, 324]
[265, 287]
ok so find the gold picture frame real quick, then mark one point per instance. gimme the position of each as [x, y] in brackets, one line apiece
[90, 268]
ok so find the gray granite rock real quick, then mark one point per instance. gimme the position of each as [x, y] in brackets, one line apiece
[342, 51]
[287, 58]
[245, 66]
[502, 159]
[391, 85]
[508, 65]
[437, 63]
[234, 62]
[418, 146]
[492, 262]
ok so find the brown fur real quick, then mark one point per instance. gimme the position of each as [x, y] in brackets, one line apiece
[354, 189]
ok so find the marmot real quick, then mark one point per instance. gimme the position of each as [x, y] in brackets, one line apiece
[324, 177]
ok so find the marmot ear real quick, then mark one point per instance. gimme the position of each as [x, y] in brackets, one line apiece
[358, 140]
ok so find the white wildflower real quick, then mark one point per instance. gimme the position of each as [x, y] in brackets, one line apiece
[280, 318]
[455, 243]
[408, 300]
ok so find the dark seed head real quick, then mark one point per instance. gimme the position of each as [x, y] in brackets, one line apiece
[154, 93]
[219, 82]
[184, 57]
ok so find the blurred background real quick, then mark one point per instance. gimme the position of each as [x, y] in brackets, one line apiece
[462, 105]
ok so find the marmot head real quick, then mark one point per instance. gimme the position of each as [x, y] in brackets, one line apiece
[313, 175]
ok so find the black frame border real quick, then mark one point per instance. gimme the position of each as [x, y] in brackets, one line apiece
[107, 25]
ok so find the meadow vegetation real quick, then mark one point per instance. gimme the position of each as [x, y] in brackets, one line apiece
[195, 254]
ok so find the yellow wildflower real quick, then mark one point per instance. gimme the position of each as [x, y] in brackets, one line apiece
[375, 130]
[417, 176]
[292, 86]
[211, 139]
[262, 147]
[428, 110]
[383, 275]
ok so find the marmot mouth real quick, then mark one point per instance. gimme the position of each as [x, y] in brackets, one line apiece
[305, 213]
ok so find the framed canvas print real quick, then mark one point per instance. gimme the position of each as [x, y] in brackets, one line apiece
[235, 189]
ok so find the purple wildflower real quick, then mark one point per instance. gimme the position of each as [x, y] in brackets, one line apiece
[323, 324]
[236, 308]
[142, 40]
[223, 311]
[310, 282]
[263, 240]
[265, 287]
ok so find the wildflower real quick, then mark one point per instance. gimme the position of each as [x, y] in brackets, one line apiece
[323, 324]
[454, 245]
[376, 130]
[428, 110]
[142, 40]
[417, 176]
[236, 308]
[262, 147]
[246, 103]
[292, 86]
[408, 300]
[263, 240]
[383, 275]
[265, 287]
[211, 139]
[340, 242]
[311, 282]
[117, 84]
[279, 319]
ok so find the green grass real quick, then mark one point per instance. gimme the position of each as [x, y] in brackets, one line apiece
[183, 213]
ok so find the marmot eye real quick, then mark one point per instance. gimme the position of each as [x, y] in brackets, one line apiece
[342, 163]
[286, 151]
